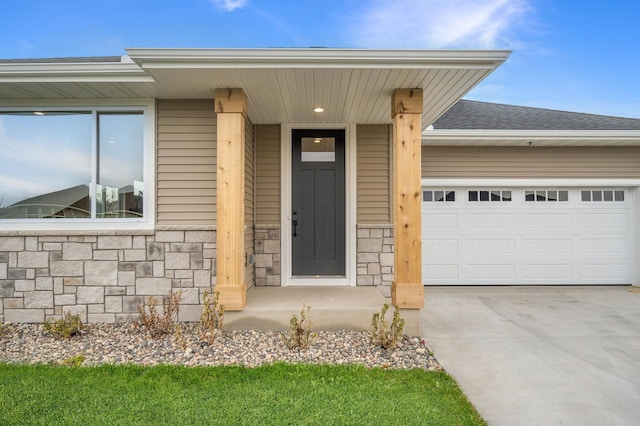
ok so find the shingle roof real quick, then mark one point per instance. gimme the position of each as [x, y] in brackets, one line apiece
[70, 60]
[489, 116]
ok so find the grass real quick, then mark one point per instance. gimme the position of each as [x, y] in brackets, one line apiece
[275, 394]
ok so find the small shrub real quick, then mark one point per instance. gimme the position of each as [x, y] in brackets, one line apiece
[383, 334]
[160, 324]
[300, 334]
[66, 327]
[212, 318]
[179, 337]
[73, 361]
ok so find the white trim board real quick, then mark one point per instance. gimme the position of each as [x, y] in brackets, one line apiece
[530, 182]
[287, 279]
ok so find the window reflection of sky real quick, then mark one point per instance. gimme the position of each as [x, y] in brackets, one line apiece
[40, 154]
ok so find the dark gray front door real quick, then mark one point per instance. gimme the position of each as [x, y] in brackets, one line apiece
[318, 216]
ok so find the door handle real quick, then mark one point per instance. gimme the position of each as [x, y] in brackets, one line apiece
[295, 226]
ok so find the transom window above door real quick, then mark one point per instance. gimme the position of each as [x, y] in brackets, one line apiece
[321, 149]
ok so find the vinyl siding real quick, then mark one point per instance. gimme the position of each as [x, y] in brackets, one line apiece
[249, 200]
[186, 162]
[536, 162]
[374, 174]
[267, 174]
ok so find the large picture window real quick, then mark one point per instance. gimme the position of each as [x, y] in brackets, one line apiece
[61, 165]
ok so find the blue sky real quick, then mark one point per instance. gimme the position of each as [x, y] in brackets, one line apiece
[567, 54]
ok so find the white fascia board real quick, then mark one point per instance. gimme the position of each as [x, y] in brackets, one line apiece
[316, 58]
[518, 136]
[73, 72]
[529, 182]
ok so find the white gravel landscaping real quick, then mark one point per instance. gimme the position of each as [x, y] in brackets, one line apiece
[129, 343]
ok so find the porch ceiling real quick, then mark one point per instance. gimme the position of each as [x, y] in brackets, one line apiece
[282, 85]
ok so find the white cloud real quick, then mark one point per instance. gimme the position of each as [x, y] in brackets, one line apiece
[230, 5]
[432, 24]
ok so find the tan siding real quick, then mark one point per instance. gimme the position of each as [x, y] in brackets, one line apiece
[249, 180]
[186, 162]
[374, 174]
[268, 174]
[536, 162]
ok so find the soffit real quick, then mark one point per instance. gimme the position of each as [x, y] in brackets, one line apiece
[282, 85]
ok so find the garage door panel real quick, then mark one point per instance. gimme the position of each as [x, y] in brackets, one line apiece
[489, 246]
[440, 272]
[439, 221]
[546, 221]
[609, 272]
[535, 242]
[488, 221]
[440, 247]
[603, 222]
[547, 273]
[605, 246]
[538, 246]
[490, 272]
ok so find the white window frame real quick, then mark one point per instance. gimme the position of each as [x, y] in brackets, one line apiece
[602, 190]
[434, 190]
[147, 108]
[546, 195]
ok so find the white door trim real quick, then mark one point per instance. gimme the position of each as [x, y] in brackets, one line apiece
[350, 206]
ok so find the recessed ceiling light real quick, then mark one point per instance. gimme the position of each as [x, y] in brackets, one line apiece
[317, 140]
[38, 113]
[318, 109]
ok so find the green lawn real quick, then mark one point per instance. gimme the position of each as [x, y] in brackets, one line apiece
[276, 394]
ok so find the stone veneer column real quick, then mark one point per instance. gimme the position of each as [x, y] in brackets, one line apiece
[375, 254]
[267, 248]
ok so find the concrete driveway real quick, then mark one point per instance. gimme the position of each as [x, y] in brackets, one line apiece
[540, 355]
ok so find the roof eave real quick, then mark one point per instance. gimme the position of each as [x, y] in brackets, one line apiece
[26, 72]
[518, 137]
[316, 58]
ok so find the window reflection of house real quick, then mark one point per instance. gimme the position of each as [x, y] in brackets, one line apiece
[75, 203]
[67, 203]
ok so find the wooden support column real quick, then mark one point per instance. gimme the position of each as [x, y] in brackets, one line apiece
[407, 290]
[231, 111]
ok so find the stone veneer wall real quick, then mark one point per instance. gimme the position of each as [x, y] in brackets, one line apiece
[375, 254]
[103, 276]
[267, 252]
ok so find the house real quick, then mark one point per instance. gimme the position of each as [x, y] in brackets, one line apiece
[295, 167]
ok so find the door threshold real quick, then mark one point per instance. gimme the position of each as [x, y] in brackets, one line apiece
[318, 280]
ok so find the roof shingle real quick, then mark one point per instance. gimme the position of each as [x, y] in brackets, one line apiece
[475, 115]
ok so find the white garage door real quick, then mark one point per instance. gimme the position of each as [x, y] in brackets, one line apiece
[526, 236]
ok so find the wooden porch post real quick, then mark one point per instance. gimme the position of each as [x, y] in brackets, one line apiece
[407, 290]
[231, 111]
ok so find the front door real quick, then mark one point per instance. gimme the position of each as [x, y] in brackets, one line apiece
[318, 212]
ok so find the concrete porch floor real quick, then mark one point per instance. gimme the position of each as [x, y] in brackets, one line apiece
[332, 308]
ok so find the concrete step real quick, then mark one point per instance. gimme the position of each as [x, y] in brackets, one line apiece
[332, 308]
